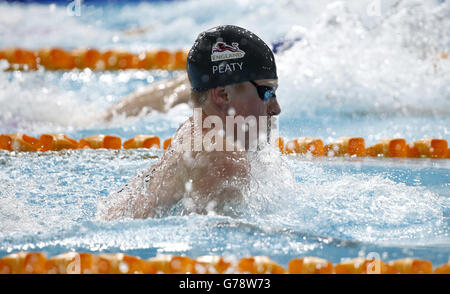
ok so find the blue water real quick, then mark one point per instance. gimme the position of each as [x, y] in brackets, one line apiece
[356, 75]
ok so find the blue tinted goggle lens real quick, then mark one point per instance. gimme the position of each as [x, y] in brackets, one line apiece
[264, 92]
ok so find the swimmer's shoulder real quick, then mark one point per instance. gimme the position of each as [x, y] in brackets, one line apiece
[180, 139]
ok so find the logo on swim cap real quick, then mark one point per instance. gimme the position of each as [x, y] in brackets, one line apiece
[223, 51]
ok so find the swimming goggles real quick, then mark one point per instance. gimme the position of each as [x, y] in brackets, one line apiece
[264, 92]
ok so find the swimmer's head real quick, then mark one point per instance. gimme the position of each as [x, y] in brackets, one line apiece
[227, 55]
[236, 70]
[232, 73]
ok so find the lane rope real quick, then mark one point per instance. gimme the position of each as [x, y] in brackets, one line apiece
[119, 263]
[344, 146]
[113, 59]
[81, 58]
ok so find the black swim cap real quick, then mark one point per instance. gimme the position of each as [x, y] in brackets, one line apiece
[227, 55]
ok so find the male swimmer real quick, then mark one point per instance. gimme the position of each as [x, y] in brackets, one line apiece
[232, 73]
[164, 95]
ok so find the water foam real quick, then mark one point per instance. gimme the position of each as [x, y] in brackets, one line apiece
[394, 67]
[309, 197]
[134, 27]
[31, 105]
[74, 102]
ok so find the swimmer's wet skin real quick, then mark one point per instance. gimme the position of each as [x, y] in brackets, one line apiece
[232, 72]
[160, 96]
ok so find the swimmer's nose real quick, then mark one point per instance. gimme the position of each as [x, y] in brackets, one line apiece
[273, 108]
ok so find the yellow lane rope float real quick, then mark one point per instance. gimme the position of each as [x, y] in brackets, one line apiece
[345, 146]
[81, 58]
[119, 263]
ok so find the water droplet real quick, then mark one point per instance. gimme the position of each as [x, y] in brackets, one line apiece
[188, 185]
[123, 267]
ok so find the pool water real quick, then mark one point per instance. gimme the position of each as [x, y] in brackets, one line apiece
[352, 74]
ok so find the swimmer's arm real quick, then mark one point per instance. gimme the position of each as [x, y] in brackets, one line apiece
[160, 96]
[149, 193]
[220, 175]
[133, 200]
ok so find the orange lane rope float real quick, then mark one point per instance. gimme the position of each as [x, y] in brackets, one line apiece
[345, 146]
[304, 145]
[57, 142]
[100, 141]
[355, 146]
[119, 263]
[143, 141]
[81, 58]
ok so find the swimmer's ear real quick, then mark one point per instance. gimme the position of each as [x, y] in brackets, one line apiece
[220, 97]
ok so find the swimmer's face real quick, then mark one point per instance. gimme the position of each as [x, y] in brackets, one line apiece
[245, 101]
